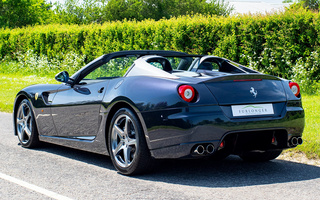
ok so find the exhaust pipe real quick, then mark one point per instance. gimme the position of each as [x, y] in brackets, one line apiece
[210, 148]
[300, 141]
[294, 141]
[199, 150]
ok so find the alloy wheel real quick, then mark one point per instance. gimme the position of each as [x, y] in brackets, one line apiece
[24, 123]
[124, 140]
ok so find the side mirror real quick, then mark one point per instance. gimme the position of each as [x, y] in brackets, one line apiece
[62, 77]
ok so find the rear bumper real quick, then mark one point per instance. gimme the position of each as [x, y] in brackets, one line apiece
[173, 133]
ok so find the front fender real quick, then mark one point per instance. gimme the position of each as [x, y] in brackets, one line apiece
[20, 96]
[29, 93]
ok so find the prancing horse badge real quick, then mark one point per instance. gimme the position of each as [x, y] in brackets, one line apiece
[253, 92]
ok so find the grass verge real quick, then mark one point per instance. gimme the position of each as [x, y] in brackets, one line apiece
[311, 134]
[12, 84]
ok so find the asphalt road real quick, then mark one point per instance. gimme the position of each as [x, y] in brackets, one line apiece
[55, 172]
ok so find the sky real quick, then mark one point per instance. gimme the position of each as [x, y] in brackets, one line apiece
[256, 6]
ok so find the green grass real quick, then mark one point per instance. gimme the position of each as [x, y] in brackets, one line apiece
[311, 134]
[12, 84]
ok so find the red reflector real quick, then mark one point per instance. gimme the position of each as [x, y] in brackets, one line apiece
[273, 140]
[239, 80]
[295, 88]
[187, 93]
[222, 144]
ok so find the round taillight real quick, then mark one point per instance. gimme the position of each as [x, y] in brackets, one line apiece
[187, 93]
[295, 88]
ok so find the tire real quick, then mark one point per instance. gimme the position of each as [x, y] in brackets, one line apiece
[220, 155]
[260, 156]
[26, 126]
[127, 145]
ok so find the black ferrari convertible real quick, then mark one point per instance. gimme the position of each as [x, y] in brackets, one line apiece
[137, 106]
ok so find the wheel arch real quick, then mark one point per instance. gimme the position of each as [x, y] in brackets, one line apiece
[116, 105]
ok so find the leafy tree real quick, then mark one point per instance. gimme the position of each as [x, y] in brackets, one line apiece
[311, 4]
[80, 11]
[18, 13]
[158, 9]
[99, 11]
[123, 9]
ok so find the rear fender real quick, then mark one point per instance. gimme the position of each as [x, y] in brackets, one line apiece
[114, 106]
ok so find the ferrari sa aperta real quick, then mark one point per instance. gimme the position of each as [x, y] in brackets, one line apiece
[137, 106]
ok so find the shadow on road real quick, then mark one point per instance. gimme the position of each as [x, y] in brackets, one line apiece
[231, 172]
[75, 154]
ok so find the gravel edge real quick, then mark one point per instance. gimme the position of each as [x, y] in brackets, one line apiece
[298, 157]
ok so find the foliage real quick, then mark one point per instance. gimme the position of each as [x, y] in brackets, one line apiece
[304, 71]
[99, 11]
[269, 43]
[17, 13]
[30, 63]
[80, 11]
[310, 4]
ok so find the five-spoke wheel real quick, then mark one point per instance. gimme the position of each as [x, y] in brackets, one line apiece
[25, 125]
[124, 140]
[127, 145]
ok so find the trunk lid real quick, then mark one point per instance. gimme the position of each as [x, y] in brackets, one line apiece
[243, 89]
[253, 95]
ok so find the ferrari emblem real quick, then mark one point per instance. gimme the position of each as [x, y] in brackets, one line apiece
[36, 96]
[253, 92]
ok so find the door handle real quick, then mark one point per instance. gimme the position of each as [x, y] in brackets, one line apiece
[101, 90]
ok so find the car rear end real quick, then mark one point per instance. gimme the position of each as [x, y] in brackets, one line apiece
[270, 111]
[232, 113]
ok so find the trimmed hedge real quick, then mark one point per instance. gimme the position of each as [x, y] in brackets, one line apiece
[272, 42]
